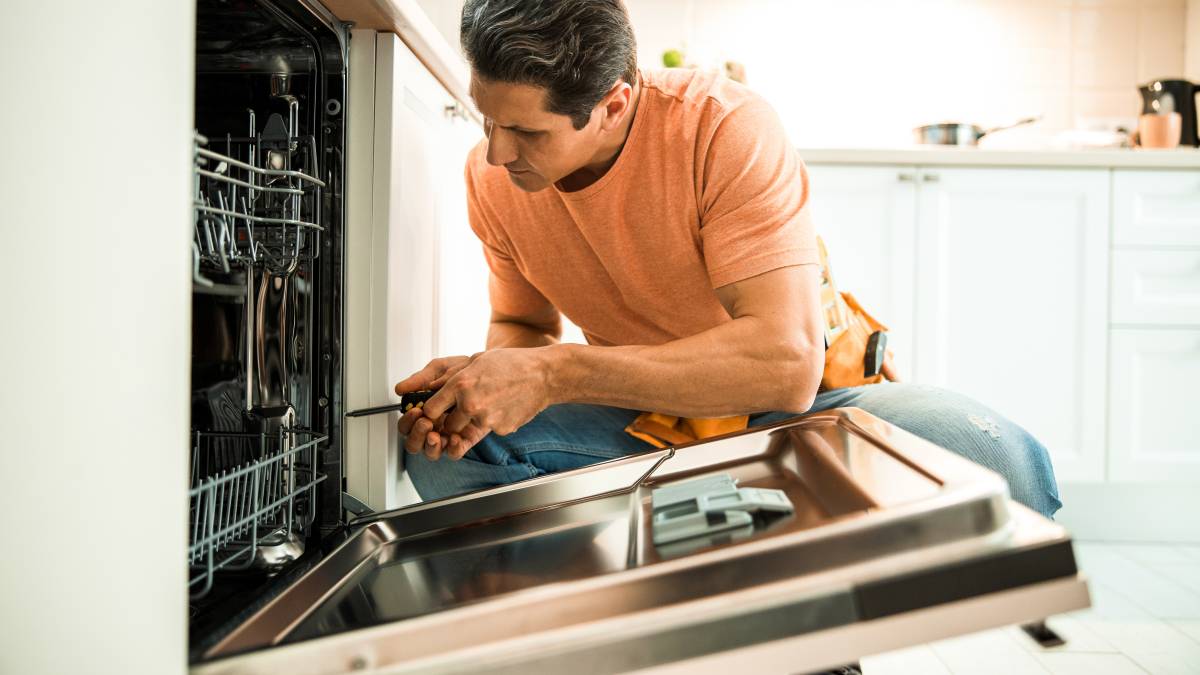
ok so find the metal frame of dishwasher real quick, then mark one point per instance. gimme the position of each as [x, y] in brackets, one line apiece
[266, 452]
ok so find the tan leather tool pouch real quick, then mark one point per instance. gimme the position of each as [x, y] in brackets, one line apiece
[848, 330]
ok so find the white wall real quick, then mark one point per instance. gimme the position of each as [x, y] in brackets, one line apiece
[865, 72]
[96, 128]
[858, 72]
[444, 14]
[1192, 42]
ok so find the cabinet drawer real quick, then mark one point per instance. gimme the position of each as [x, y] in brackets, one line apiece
[1156, 287]
[1156, 207]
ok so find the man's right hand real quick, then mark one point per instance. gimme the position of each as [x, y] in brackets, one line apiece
[422, 433]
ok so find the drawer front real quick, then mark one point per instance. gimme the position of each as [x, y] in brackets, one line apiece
[1156, 287]
[1156, 208]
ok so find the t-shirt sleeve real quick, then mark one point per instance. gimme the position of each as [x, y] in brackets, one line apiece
[509, 292]
[754, 198]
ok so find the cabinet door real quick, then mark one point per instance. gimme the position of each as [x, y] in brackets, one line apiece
[1153, 425]
[1012, 283]
[867, 217]
[396, 171]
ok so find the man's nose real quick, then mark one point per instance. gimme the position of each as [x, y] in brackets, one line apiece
[501, 147]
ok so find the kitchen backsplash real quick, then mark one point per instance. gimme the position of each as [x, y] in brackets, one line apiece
[864, 72]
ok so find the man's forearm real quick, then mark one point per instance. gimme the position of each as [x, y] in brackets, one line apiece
[516, 334]
[739, 367]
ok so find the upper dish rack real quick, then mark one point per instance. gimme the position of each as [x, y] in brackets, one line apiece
[254, 203]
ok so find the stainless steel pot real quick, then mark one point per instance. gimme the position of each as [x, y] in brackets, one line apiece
[956, 133]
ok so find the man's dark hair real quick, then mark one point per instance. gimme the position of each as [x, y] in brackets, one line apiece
[574, 49]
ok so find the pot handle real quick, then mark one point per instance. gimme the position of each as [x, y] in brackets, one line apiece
[1018, 123]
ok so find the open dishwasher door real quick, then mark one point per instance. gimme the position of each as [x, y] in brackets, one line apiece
[892, 542]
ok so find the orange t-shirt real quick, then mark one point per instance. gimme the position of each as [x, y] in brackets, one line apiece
[707, 191]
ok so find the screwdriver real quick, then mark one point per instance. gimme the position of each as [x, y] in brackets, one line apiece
[407, 402]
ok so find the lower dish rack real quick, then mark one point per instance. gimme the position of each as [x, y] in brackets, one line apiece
[252, 500]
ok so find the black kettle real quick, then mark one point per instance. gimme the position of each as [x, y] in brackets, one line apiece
[1164, 96]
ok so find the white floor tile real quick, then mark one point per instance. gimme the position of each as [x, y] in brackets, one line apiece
[1187, 574]
[986, 653]
[1153, 553]
[1154, 592]
[1079, 638]
[1089, 664]
[1150, 643]
[905, 662]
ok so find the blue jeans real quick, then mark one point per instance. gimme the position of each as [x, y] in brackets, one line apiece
[569, 436]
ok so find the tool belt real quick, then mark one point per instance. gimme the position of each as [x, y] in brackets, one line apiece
[855, 343]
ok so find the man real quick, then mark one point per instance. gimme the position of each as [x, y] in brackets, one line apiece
[666, 214]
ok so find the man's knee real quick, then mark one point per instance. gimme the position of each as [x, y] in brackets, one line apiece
[1031, 481]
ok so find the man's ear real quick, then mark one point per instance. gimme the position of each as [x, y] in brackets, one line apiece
[615, 105]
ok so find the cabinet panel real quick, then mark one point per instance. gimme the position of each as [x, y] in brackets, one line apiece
[463, 309]
[1011, 300]
[396, 170]
[1156, 207]
[1154, 431]
[867, 217]
[1161, 287]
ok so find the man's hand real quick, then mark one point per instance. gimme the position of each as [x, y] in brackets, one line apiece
[420, 432]
[497, 390]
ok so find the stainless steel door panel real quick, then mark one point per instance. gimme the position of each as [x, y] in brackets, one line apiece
[562, 570]
[838, 646]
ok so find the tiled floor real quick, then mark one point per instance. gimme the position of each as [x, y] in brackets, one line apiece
[1145, 618]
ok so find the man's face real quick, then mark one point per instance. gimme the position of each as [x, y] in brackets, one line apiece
[538, 148]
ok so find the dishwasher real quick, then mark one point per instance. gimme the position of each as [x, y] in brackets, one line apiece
[890, 541]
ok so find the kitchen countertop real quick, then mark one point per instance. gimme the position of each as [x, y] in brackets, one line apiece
[954, 156]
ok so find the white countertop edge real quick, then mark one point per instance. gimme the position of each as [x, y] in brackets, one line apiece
[413, 26]
[953, 156]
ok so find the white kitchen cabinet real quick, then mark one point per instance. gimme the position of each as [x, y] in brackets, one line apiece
[96, 220]
[1153, 425]
[994, 281]
[1155, 340]
[867, 218]
[1012, 306]
[1156, 208]
[1011, 300]
[406, 191]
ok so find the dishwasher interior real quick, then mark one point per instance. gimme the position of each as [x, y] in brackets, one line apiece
[265, 465]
